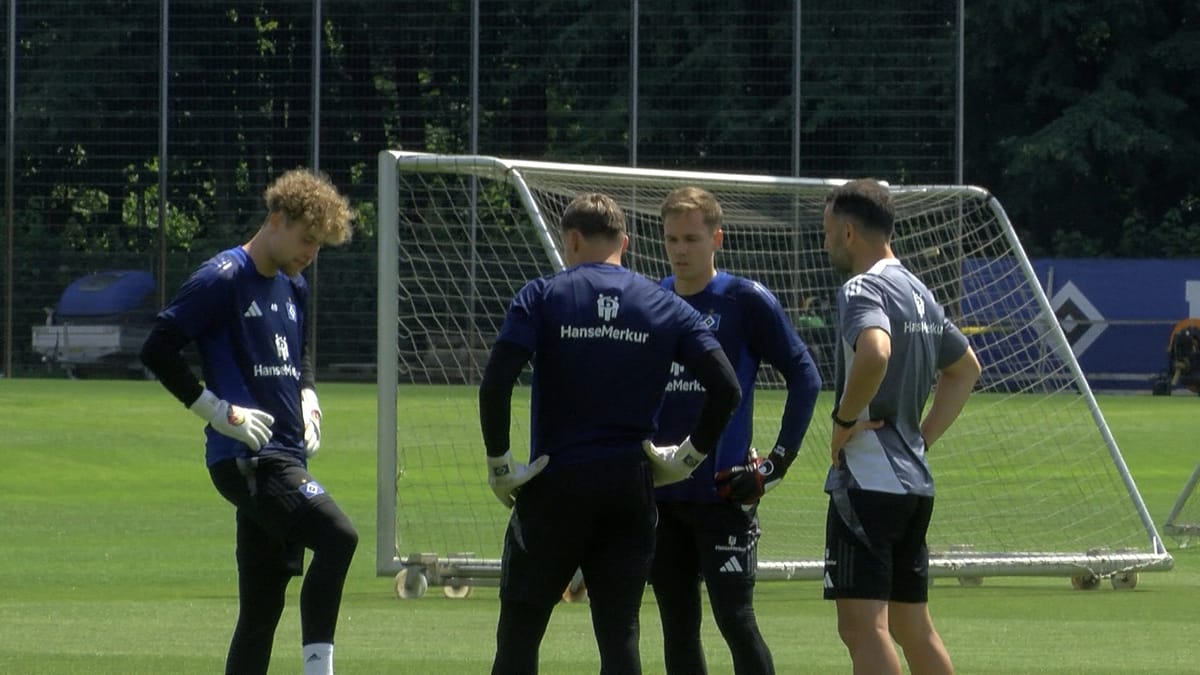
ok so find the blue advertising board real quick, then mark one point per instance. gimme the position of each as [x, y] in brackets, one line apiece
[1118, 314]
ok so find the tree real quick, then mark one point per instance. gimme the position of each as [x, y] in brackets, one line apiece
[1081, 118]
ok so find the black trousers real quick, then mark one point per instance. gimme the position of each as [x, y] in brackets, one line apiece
[716, 542]
[598, 517]
[282, 510]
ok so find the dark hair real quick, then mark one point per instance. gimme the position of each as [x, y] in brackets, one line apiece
[867, 202]
[594, 215]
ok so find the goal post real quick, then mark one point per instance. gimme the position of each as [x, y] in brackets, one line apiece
[1030, 481]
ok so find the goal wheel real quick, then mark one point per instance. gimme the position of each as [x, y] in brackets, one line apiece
[1124, 581]
[456, 592]
[970, 582]
[411, 583]
[576, 591]
[1085, 582]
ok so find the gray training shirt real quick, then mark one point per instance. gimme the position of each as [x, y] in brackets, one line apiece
[892, 458]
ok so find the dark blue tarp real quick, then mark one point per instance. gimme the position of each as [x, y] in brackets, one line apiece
[103, 293]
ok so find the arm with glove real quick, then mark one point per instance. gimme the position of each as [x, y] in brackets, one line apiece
[746, 483]
[505, 475]
[310, 406]
[161, 354]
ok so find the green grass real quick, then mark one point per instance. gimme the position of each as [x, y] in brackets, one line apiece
[116, 556]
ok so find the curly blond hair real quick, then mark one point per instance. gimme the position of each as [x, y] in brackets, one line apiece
[310, 198]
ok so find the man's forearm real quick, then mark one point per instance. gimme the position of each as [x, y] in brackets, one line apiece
[803, 388]
[723, 393]
[161, 354]
[495, 395]
[953, 387]
[866, 374]
[948, 401]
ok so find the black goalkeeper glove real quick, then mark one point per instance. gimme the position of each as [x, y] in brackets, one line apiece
[747, 483]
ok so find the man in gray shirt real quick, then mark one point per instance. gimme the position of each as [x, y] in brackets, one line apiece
[895, 344]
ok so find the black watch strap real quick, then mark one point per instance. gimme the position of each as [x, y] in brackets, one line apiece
[845, 424]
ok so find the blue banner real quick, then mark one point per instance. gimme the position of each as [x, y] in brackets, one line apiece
[1118, 314]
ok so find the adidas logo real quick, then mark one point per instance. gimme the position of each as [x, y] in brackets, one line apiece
[314, 657]
[732, 566]
[253, 310]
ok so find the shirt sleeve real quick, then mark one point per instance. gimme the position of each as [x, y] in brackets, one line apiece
[495, 395]
[521, 323]
[162, 355]
[201, 300]
[953, 345]
[773, 338]
[864, 308]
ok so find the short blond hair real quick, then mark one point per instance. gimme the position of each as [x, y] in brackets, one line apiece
[309, 197]
[687, 199]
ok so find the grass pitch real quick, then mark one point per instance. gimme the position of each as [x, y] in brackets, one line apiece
[116, 556]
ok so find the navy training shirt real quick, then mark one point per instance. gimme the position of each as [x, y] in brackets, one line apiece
[249, 330]
[603, 339]
[752, 327]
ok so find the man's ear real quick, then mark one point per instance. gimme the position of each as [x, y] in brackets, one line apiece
[851, 230]
[718, 239]
[571, 240]
[624, 243]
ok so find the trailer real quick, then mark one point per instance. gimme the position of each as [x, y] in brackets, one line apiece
[99, 323]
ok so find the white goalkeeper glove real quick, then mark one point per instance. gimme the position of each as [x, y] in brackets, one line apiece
[311, 410]
[248, 425]
[506, 477]
[672, 463]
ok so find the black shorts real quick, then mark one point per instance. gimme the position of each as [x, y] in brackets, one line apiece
[875, 546]
[716, 541]
[271, 493]
[598, 517]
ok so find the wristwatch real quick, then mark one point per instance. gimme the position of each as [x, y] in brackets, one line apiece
[845, 424]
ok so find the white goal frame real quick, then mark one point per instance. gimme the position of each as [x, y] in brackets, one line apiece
[419, 567]
[1181, 523]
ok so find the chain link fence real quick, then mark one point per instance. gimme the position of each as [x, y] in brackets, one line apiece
[140, 134]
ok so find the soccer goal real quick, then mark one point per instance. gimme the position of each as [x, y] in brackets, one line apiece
[1030, 482]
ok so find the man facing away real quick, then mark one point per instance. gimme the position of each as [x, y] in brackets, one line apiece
[895, 344]
[708, 527]
[602, 340]
[246, 310]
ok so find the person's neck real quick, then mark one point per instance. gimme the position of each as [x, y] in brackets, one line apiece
[868, 261]
[694, 286]
[262, 263]
[598, 257]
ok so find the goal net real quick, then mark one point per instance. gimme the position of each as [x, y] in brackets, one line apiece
[1029, 481]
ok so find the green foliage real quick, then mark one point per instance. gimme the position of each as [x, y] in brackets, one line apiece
[1080, 116]
[140, 210]
[1081, 119]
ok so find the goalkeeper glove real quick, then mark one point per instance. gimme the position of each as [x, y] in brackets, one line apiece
[248, 425]
[672, 463]
[747, 483]
[506, 477]
[311, 410]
